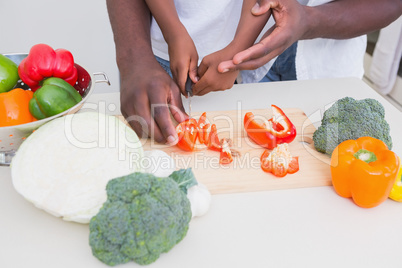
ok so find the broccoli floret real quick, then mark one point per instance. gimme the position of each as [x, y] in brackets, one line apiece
[143, 217]
[350, 119]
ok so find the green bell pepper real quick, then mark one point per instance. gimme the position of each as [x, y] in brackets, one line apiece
[8, 74]
[53, 97]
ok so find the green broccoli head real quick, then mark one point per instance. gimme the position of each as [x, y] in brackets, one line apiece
[349, 119]
[143, 217]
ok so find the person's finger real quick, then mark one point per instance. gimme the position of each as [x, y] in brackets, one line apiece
[259, 54]
[176, 106]
[139, 121]
[202, 69]
[205, 91]
[263, 6]
[248, 62]
[163, 130]
[181, 80]
[260, 49]
[193, 70]
[256, 63]
[254, 52]
[227, 66]
[200, 85]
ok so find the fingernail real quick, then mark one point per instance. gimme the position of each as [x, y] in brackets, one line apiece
[171, 140]
[225, 71]
[255, 8]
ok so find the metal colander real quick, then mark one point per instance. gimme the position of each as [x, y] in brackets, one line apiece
[11, 137]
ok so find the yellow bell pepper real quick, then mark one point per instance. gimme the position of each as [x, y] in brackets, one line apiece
[396, 192]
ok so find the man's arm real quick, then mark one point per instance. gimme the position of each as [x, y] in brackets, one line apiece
[339, 19]
[147, 93]
[131, 22]
[343, 19]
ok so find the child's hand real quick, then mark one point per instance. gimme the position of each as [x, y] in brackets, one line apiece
[210, 79]
[183, 60]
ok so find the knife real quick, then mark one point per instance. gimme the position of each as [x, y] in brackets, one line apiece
[189, 89]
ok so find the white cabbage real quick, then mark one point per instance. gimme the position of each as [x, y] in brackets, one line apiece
[64, 166]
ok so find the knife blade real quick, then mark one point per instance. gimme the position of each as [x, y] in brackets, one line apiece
[189, 89]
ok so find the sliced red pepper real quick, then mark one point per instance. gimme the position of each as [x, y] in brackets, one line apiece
[187, 133]
[213, 141]
[226, 154]
[258, 133]
[203, 129]
[191, 130]
[294, 165]
[279, 162]
[278, 130]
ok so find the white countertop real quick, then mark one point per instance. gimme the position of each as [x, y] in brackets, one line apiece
[309, 227]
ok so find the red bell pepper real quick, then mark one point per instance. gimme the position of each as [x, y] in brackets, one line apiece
[226, 154]
[187, 133]
[279, 162]
[213, 140]
[277, 130]
[191, 130]
[203, 129]
[43, 62]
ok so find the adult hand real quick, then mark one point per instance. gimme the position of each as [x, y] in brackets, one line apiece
[148, 97]
[290, 26]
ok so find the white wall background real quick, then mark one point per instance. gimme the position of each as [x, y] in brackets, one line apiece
[81, 26]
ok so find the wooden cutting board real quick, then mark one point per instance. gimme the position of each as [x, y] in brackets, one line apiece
[244, 173]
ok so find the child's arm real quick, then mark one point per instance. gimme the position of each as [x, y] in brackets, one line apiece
[183, 55]
[248, 29]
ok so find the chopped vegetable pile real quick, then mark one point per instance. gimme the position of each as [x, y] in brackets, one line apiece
[192, 131]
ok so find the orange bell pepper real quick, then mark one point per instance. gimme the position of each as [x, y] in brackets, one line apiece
[14, 109]
[365, 170]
